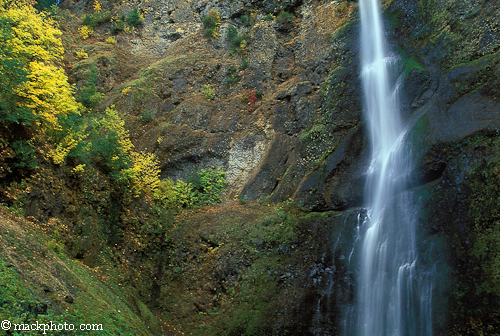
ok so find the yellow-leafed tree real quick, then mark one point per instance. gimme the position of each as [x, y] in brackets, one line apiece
[35, 95]
[147, 171]
[31, 40]
[47, 93]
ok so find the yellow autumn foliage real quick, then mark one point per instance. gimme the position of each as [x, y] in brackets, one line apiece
[97, 6]
[47, 93]
[80, 54]
[126, 91]
[36, 45]
[147, 171]
[79, 169]
[35, 35]
[85, 32]
[114, 123]
[58, 155]
[110, 40]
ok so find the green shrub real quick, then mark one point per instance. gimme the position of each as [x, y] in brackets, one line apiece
[147, 116]
[93, 20]
[244, 64]
[239, 42]
[172, 195]
[285, 16]
[232, 75]
[285, 21]
[208, 185]
[134, 18]
[246, 20]
[118, 25]
[88, 94]
[106, 153]
[211, 23]
[164, 194]
[208, 92]
[232, 34]
[269, 17]
[25, 154]
[202, 188]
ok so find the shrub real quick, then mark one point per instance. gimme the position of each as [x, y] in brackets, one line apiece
[85, 32]
[118, 24]
[92, 20]
[244, 64]
[63, 148]
[285, 21]
[250, 97]
[202, 188]
[79, 169]
[232, 33]
[126, 91]
[110, 40]
[147, 171]
[25, 154]
[165, 193]
[211, 23]
[88, 94]
[134, 18]
[111, 146]
[269, 17]
[211, 186]
[246, 20]
[239, 42]
[81, 55]
[285, 16]
[147, 116]
[44, 4]
[232, 75]
[97, 6]
[208, 92]
[184, 194]
[342, 8]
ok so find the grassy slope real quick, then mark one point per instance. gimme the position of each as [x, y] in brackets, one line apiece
[32, 275]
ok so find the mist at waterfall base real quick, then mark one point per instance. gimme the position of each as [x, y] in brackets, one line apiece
[393, 292]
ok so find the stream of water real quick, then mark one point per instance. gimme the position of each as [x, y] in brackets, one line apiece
[393, 296]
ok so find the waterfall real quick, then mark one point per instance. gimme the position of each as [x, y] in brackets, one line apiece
[393, 295]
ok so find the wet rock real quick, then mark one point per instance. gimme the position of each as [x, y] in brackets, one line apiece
[339, 182]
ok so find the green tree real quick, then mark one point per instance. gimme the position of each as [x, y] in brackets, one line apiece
[12, 75]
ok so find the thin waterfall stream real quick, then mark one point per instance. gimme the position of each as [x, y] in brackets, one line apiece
[393, 296]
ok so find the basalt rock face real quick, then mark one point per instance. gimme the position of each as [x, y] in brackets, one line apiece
[304, 138]
[305, 80]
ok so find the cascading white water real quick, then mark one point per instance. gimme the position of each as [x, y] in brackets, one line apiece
[393, 297]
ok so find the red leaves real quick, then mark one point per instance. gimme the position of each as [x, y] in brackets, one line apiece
[251, 97]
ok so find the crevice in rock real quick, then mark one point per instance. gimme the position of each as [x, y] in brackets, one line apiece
[294, 7]
[428, 176]
[433, 174]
